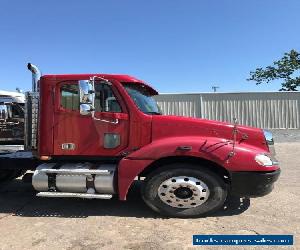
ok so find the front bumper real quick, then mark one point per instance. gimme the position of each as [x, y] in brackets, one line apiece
[253, 184]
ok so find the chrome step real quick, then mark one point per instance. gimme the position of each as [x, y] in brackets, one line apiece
[76, 171]
[75, 195]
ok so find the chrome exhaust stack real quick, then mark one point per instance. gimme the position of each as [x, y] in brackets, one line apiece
[32, 110]
[36, 75]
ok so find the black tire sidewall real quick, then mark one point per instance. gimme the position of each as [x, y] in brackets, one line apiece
[216, 186]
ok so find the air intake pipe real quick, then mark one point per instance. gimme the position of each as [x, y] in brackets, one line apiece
[36, 75]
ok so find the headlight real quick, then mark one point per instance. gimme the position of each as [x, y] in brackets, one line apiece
[263, 160]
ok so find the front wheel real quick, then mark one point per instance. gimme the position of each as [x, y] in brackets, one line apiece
[184, 190]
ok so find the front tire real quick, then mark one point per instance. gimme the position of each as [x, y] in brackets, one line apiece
[184, 190]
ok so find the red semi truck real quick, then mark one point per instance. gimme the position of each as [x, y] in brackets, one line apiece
[92, 135]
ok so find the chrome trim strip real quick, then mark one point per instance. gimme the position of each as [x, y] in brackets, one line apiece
[74, 195]
[76, 171]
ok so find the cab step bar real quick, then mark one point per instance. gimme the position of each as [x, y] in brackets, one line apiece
[76, 171]
[74, 195]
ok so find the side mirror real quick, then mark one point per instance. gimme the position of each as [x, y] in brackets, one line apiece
[87, 97]
[86, 109]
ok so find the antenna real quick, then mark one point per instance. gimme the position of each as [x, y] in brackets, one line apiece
[215, 88]
[234, 137]
[19, 90]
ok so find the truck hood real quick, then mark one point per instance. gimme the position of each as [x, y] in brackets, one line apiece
[176, 126]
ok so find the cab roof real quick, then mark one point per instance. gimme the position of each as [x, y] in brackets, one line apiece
[120, 78]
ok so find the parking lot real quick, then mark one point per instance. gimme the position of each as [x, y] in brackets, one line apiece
[28, 222]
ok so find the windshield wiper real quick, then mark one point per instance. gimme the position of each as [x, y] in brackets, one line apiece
[153, 113]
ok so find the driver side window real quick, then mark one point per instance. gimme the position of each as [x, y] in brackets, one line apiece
[105, 100]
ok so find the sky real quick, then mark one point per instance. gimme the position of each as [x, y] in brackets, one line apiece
[175, 46]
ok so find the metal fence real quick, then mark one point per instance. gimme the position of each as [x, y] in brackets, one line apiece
[271, 110]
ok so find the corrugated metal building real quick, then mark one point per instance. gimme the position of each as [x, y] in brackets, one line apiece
[273, 110]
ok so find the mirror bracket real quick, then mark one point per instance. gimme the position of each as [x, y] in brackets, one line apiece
[92, 79]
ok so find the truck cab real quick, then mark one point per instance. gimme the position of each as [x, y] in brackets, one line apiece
[11, 120]
[109, 119]
[92, 135]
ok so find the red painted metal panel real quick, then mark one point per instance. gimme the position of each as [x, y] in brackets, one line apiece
[128, 170]
[86, 133]
[46, 117]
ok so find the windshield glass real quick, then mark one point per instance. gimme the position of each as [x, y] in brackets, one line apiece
[142, 98]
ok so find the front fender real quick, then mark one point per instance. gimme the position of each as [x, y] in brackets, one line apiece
[136, 162]
[213, 149]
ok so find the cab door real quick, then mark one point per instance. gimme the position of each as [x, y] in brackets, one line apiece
[82, 135]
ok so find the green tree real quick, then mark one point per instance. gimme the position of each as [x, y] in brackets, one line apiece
[286, 69]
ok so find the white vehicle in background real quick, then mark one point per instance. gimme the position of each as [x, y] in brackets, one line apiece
[11, 121]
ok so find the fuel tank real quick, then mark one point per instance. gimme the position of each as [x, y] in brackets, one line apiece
[75, 178]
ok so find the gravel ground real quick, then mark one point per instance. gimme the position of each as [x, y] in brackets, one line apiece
[286, 135]
[28, 222]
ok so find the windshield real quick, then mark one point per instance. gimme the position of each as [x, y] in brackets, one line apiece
[142, 98]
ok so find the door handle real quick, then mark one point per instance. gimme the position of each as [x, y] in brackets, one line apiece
[113, 118]
[116, 121]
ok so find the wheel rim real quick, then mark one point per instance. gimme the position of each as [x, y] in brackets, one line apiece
[183, 192]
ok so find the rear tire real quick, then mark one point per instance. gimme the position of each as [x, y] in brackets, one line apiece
[184, 190]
